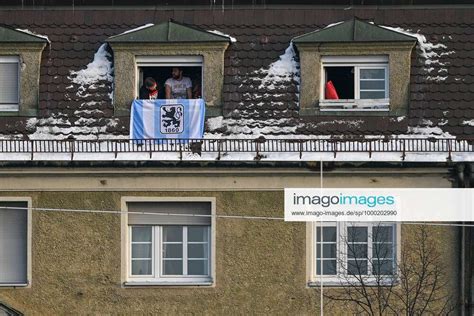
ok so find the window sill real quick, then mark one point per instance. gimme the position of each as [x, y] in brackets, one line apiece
[316, 111]
[13, 285]
[344, 283]
[164, 283]
[9, 108]
[355, 105]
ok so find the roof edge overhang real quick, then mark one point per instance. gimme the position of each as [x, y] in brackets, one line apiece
[353, 31]
[169, 32]
[15, 36]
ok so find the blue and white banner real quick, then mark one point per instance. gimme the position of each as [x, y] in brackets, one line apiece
[179, 118]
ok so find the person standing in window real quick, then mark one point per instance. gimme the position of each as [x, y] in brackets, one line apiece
[178, 87]
[149, 90]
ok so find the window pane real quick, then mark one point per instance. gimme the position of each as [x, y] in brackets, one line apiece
[372, 94]
[329, 234]
[173, 267]
[197, 267]
[9, 83]
[141, 267]
[382, 233]
[13, 242]
[172, 250]
[382, 250]
[329, 267]
[173, 233]
[141, 234]
[197, 251]
[357, 234]
[372, 73]
[329, 250]
[141, 251]
[357, 267]
[357, 250]
[372, 85]
[197, 233]
[382, 267]
[343, 80]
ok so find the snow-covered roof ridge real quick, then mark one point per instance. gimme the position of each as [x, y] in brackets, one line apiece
[232, 39]
[333, 24]
[135, 29]
[34, 34]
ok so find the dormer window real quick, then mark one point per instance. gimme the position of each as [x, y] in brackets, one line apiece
[9, 83]
[355, 68]
[20, 59]
[152, 51]
[160, 68]
[354, 83]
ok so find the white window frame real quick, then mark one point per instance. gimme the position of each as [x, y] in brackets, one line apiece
[157, 279]
[28, 201]
[341, 277]
[167, 61]
[157, 258]
[12, 107]
[358, 63]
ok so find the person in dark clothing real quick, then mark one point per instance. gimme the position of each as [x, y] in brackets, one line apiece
[149, 90]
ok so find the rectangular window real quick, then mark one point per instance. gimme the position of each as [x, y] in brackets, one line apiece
[354, 250]
[358, 83]
[160, 68]
[170, 242]
[9, 83]
[13, 243]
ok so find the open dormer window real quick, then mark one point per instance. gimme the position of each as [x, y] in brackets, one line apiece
[354, 83]
[160, 68]
[354, 68]
[154, 50]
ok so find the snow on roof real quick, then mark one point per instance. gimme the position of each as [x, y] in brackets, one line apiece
[232, 39]
[34, 34]
[251, 127]
[99, 69]
[333, 24]
[431, 53]
[428, 130]
[284, 69]
[135, 29]
[470, 122]
[214, 123]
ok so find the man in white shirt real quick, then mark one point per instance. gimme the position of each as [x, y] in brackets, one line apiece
[178, 87]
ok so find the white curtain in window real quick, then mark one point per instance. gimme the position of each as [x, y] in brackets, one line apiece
[13, 242]
[8, 82]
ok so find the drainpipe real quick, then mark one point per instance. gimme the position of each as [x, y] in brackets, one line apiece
[465, 179]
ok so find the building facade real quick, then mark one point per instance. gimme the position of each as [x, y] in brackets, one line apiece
[93, 222]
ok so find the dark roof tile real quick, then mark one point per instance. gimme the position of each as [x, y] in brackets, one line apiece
[261, 38]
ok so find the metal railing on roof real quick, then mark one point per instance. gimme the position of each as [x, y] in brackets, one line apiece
[259, 146]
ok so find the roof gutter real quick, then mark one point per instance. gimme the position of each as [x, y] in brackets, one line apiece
[235, 7]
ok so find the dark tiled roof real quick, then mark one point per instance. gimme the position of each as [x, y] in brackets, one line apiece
[442, 88]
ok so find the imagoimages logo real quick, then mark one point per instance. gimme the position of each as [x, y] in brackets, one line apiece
[172, 119]
[379, 204]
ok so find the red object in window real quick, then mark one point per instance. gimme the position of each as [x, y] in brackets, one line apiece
[331, 92]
